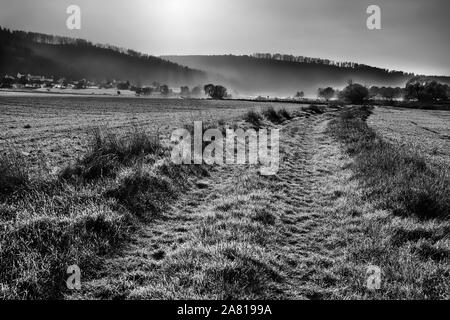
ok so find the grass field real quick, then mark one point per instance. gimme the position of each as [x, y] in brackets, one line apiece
[53, 130]
[398, 208]
[425, 131]
[140, 227]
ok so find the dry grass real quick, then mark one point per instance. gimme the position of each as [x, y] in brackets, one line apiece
[253, 117]
[57, 222]
[314, 109]
[272, 115]
[59, 125]
[226, 232]
[397, 177]
[226, 253]
[108, 152]
[425, 131]
[144, 193]
[283, 113]
[46, 231]
[411, 248]
[13, 174]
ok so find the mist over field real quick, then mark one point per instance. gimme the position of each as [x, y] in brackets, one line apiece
[254, 76]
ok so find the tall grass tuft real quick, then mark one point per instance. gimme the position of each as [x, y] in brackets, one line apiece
[14, 175]
[108, 151]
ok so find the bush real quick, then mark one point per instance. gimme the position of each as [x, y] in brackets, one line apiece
[215, 92]
[354, 93]
[326, 93]
[284, 114]
[253, 118]
[272, 115]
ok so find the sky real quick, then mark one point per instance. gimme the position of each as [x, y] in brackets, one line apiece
[414, 35]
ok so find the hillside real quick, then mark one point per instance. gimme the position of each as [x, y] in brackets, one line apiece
[262, 76]
[74, 59]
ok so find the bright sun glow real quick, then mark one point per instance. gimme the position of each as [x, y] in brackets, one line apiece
[178, 10]
[182, 19]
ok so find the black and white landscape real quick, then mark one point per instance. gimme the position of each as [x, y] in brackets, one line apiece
[224, 150]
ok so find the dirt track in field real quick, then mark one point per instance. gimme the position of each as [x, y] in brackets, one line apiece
[301, 197]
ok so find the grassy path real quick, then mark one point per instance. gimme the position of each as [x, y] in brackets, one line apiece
[237, 234]
[174, 232]
[309, 184]
[306, 233]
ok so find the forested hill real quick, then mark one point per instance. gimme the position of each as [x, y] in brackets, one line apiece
[74, 59]
[285, 75]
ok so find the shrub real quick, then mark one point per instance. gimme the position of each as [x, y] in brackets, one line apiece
[216, 92]
[326, 93]
[272, 115]
[354, 93]
[283, 113]
[253, 118]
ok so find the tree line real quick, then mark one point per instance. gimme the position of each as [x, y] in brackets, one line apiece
[73, 59]
[328, 62]
[416, 89]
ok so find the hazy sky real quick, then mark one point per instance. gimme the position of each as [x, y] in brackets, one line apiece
[414, 35]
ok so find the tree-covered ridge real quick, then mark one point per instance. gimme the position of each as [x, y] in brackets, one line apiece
[328, 62]
[281, 75]
[49, 55]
